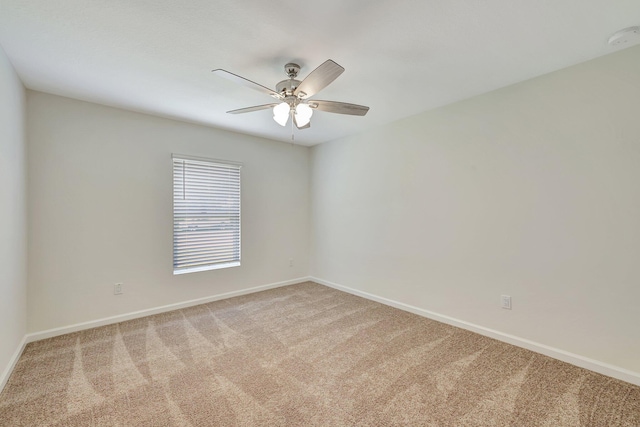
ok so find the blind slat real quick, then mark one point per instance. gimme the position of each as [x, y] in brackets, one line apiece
[194, 243]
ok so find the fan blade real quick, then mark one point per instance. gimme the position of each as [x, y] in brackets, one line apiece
[339, 107]
[251, 109]
[318, 79]
[248, 83]
[308, 125]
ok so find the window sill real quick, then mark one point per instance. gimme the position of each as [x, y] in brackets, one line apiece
[206, 268]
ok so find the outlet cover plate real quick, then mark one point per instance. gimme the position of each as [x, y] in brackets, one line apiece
[505, 302]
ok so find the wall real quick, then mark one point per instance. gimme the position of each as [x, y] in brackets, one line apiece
[13, 217]
[530, 191]
[100, 194]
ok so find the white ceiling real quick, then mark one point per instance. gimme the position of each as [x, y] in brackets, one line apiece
[401, 57]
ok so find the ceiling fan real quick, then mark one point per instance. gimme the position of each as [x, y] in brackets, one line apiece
[293, 95]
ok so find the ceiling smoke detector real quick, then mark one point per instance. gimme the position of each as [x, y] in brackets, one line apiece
[624, 37]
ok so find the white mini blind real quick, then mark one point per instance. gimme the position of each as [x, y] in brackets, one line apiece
[206, 215]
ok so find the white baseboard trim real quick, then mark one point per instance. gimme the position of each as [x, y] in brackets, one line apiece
[12, 363]
[565, 356]
[36, 336]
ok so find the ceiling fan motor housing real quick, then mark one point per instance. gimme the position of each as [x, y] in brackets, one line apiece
[287, 87]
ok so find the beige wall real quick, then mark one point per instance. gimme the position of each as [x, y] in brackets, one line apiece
[13, 216]
[100, 194]
[531, 191]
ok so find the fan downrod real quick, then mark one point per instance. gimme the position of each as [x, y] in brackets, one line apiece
[287, 87]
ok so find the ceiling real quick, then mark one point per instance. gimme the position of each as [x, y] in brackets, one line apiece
[401, 57]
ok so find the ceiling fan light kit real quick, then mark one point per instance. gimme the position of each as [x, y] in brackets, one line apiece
[293, 95]
[281, 113]
[303, 114]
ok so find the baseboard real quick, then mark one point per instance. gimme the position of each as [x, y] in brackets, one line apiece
[12, 363]
[36, 336]
[565, 356]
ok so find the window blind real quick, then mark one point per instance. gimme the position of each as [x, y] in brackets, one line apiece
[206, 215]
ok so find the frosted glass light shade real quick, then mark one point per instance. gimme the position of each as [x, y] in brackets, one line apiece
[281, 113]
[303, 114]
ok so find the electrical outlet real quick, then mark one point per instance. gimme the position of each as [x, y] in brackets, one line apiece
[290, 262]
[505, 301]
[117, 289]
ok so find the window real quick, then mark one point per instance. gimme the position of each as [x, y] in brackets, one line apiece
[206, 214]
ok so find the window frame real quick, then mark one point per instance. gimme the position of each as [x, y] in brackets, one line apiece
[216, 166]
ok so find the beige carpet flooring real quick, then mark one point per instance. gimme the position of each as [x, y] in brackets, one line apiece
[301, 355]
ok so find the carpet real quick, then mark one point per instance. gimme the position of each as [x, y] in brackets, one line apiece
[301, 355]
